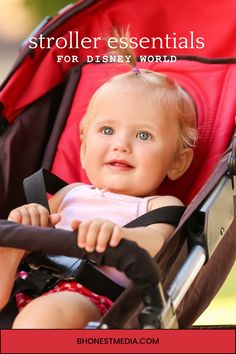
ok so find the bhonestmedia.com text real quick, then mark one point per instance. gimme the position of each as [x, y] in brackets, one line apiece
[118, 340]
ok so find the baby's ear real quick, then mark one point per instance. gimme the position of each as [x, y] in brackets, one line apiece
[180, 164]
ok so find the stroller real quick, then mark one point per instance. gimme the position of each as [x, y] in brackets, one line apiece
[44, 97]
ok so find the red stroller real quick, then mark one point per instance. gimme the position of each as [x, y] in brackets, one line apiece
[45, 96]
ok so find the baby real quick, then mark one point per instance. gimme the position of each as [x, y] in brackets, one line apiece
[139, 128]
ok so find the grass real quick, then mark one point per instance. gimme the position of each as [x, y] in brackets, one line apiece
[222, 310]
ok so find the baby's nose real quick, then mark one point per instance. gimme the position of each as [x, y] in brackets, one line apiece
[122, 144]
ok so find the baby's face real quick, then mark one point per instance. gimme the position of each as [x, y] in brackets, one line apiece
[129, 145]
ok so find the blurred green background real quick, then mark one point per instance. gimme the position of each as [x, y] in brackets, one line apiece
[17, 19]
[42, 8]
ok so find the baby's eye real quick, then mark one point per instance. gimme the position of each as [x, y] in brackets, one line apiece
[143, 135]
[107, 130]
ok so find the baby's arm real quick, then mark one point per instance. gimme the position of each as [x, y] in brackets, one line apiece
[99, 233]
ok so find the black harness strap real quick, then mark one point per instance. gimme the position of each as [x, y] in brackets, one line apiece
[167, 215]
[39, 184]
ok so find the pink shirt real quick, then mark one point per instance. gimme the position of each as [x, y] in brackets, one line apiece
[86, 202]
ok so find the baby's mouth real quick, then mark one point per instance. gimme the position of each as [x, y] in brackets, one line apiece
[119, 165]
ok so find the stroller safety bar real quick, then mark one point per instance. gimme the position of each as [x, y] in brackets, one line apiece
[127, 257]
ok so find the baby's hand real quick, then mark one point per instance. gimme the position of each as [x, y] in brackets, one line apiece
[33, 214]
[97, 234]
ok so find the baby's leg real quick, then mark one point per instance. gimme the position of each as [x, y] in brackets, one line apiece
[57, 310]
[10, 259]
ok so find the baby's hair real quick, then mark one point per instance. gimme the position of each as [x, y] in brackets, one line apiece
[163, 91]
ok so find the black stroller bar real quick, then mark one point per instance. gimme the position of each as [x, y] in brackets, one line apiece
[127, 257]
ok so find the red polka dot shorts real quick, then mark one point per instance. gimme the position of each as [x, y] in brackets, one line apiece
[101, 302]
